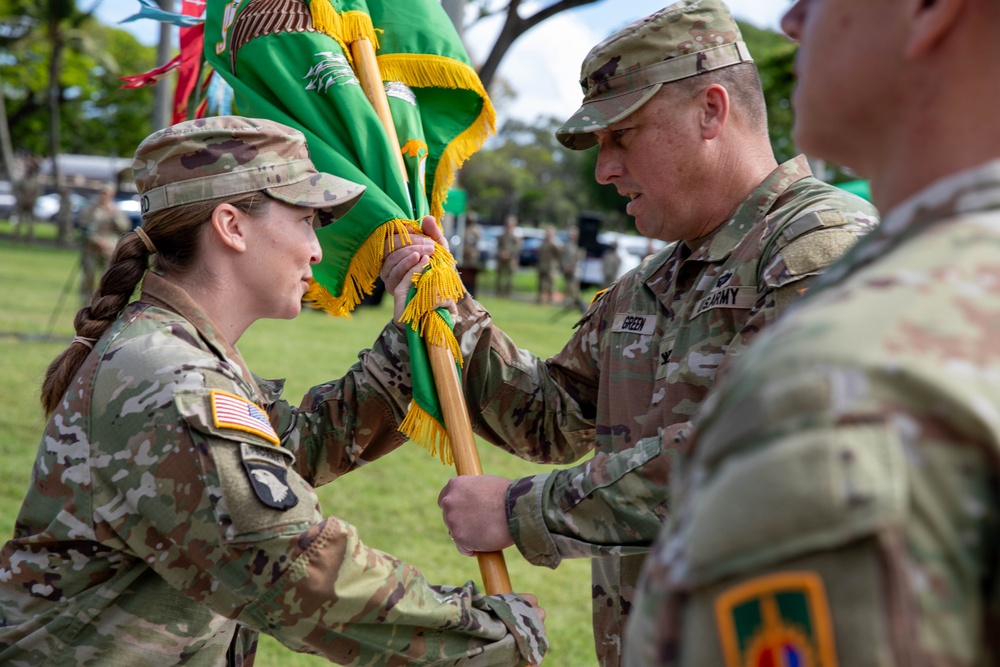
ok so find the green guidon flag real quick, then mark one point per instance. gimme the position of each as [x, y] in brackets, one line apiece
[290, 61]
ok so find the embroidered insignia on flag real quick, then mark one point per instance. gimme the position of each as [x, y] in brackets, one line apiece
[235, 412]
[779, 620]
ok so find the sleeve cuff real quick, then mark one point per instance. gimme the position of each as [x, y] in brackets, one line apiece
[526, 521]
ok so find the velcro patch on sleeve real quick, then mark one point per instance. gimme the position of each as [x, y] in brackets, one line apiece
[777, 619]
[267, 472]
[237, 413]
[815, 252]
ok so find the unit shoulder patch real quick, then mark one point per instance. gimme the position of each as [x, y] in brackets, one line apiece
[777, 619]
[268, 475]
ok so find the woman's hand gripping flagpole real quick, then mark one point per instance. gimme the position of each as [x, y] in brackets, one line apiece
[492, 566]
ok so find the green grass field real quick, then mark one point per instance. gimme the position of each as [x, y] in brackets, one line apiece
[392, 501]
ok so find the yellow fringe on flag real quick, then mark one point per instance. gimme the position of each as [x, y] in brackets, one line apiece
[440, 281]
[344, 27]
[420, 427]
[362, 271]
[424, 71]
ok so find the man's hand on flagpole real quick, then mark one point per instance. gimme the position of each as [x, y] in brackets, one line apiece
[473, 507]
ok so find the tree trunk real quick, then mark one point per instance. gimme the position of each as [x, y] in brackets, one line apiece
[55, 135]
[6, 149]
[514, 27]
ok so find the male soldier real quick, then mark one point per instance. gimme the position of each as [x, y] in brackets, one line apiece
[682, 131]
[570, 256]
[548, 265]
[101, 225]
[26, 191]
[508, 256]
[469, 268]
[840, 501]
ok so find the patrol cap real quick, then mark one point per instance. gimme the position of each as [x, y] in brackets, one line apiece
[624, 71]
[225, 156]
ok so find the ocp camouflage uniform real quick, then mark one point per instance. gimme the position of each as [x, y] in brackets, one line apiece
[101, 227]
[170, 519]
[570, 256]
[508, 259]
[843, 488]
[548, 267]
[642, 359]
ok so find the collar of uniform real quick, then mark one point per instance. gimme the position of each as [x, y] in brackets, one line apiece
[160, 292]
[752, 210]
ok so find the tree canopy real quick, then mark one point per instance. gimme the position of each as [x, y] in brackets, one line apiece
[96, 116]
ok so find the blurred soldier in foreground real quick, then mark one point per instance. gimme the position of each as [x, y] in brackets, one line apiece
[101, 225]
[508, 256]
[172, 514]
[840, 499]
[548, 265]
[675, 105]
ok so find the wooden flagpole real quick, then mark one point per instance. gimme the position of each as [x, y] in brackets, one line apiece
[492, 565]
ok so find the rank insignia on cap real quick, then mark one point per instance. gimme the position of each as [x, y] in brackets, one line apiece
[779, 620]
[236, 412]
[268, 475]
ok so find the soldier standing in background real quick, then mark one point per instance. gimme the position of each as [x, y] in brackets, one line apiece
[611, 263]
[101, 225]
[470, 251]
[26, 190]
[840, 498]
[674, 103]
[508, 256]
[570, 257]
[548, 265]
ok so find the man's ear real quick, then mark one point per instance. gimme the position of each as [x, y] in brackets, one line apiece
[714, 101]
[230, 227]
[931, 21]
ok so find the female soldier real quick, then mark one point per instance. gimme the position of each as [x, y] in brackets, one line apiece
[172, 515]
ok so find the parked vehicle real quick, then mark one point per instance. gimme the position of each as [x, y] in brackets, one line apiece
[8, 202]
[632, 249]
[132, 209]
[47, 206]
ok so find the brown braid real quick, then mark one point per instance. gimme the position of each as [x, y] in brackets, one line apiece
[175, 232]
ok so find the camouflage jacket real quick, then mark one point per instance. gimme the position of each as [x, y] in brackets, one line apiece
[170, 519]
[101, 228]
[570, 256]
[508, 249]
[842, 493]
[642, 358]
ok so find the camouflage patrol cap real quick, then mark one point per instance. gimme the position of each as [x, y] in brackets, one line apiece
[624, 71]
[225, 156]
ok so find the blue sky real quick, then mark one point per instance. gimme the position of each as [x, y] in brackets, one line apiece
[543, 65]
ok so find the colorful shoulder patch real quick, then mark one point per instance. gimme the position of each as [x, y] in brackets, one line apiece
[239, 414]
[779, 620]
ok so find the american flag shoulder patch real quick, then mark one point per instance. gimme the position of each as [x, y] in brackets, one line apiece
[237, 413]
